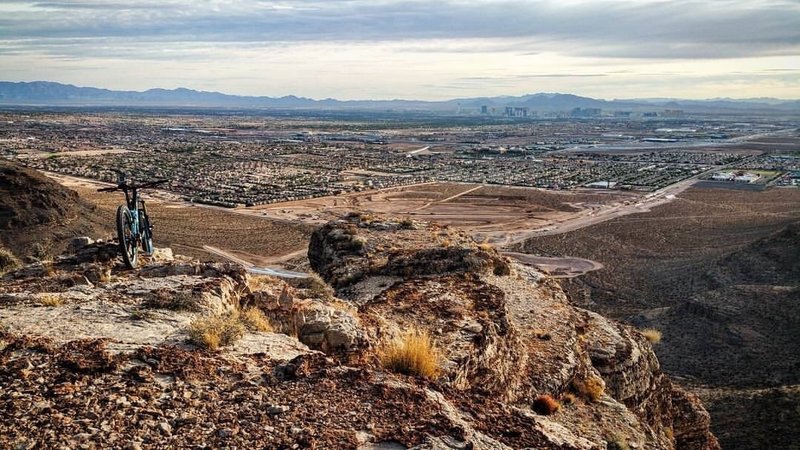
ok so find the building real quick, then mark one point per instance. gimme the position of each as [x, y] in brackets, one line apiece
[586, 112]
[736, 177]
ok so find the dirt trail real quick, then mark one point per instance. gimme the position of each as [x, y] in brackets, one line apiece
[446, 199]
[277, 272]
[557, 267]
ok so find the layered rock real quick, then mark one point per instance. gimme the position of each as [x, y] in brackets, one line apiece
[506, 334]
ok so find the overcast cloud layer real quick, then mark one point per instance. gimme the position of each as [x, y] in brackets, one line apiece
[426, 50]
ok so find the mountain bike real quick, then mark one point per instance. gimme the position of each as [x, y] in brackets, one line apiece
[134, 228]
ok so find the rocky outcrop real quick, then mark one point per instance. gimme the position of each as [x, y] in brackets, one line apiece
[507, 334]
[109, 362]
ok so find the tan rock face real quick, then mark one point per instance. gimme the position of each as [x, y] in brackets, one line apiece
[507, 334]
[503, 335]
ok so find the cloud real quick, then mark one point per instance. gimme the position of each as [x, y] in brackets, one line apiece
[605, 28]
[422, 49]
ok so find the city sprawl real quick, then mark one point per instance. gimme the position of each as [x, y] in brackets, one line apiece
[246, 160]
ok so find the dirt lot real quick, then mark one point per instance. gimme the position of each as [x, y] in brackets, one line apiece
[187, 228]
[490, 213]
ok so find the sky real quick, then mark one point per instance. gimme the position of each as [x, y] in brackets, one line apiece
[427, 50]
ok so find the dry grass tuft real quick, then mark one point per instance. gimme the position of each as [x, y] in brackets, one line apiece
[568, 398]
[216, 331]
[591, 387]
[142, 314]
[652, 335]
[546, 405]
[358, 242]
[314, 286]
[51, 300]
[407, 223]
[258, 282]
[255, 320]
[7, 261]
[485, 246]
[173, 301]
[413, 354]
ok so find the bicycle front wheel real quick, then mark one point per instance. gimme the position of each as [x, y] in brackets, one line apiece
[127, 240]
[146, 230]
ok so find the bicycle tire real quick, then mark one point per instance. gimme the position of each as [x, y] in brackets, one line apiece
[147, 230]
[127, 243]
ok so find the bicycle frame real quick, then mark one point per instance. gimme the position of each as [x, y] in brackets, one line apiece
[132, 201]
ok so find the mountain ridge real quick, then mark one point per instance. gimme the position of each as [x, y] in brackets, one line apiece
[38, 93]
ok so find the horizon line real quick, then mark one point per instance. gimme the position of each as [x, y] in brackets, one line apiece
[654, 98]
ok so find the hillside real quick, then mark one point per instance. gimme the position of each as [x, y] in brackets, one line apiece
[718, 273]
[96, 356]
[38, 215]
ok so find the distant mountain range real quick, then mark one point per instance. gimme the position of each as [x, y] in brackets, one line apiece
[45, 93]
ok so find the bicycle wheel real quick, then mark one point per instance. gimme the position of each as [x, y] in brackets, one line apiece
[127, 240]
[147, 230]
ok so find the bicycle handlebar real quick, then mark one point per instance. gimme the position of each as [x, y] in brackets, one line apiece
[132, 186]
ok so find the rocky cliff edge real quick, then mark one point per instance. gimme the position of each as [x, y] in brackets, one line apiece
[95, 356]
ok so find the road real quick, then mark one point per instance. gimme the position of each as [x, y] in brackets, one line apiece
[253, 269]
[446, 199]
[419, 150]
[588, 218]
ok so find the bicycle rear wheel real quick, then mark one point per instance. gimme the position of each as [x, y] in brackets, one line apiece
[127, 240]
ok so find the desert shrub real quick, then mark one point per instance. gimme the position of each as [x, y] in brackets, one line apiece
[546, 405]
[42, 251]
[47, 268]
[590, 387]
[617, 443]
[258, 282]
[7, 261]
[174, 301]
[501, 266]
[255, 320]
[142, 314]
[216, 331]
[413, 354]
[51, 300]
[485, 246]
[652, 335]
[568, 398]
[315, 286]
[358, 242]
[407, 223]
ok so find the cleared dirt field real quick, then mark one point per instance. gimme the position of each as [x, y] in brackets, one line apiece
[491, 213]
[187, 228]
